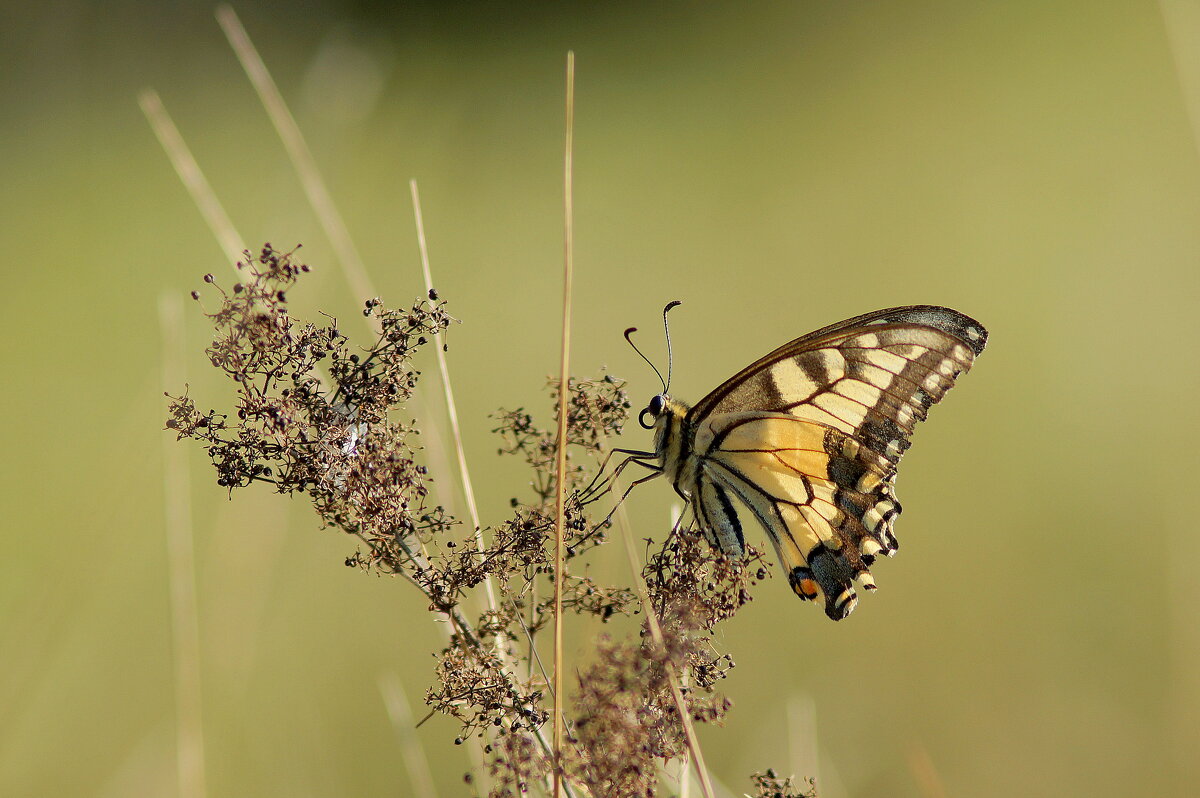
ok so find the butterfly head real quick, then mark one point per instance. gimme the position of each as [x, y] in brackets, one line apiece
[664, 415]
[662, 408]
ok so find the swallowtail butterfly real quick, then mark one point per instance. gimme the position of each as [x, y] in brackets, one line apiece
[807, 439]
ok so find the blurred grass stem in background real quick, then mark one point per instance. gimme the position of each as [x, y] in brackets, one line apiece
[298, 151]
[197, 185]
[401, 716]
[181, 569]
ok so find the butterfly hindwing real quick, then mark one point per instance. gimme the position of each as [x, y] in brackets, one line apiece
[826, 511]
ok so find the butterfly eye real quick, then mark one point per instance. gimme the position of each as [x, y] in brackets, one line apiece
[652, 410]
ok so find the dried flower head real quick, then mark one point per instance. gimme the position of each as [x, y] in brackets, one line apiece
[312, 413]
[315, 415]
[627, 723]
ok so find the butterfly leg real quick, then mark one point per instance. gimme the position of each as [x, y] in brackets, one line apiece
[608, 518]
[598, 487]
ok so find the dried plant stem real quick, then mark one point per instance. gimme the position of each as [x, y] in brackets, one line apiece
[451, 407]
[193, 179]
[297, 149]
[685, 773]
[685, 718]
[493, 604]
[464, 628]
[453, 614]
[563, 398]
[533, 652]
[181, 571]
[410, 747]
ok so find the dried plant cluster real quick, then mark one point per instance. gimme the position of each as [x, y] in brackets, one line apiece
[318, 416]
[769, 785]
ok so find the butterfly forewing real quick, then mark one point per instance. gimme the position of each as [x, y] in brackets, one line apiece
[808, 439]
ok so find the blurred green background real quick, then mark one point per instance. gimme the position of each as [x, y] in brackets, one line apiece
[776, 166]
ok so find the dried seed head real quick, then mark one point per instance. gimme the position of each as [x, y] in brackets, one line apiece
[316, 415]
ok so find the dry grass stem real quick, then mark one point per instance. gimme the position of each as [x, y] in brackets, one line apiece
[464, 473]
[181, 573]
[193, 178]
[451, 407]
[563, 397]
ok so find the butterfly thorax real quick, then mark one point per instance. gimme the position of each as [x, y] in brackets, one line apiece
[672, 439]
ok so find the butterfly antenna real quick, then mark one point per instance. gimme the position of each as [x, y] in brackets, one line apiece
[630, 332]
[667, 332]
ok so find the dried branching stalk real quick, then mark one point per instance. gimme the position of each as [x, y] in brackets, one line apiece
[344, 440]
[297, 150]
[770, 785]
